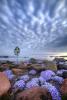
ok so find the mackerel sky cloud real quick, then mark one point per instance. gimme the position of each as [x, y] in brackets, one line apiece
[36, 26]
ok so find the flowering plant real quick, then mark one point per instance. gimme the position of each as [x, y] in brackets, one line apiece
[54, 92]
[60, 72]
[32, 83]
[20, 84]
[58, 79]
[25, 78]
[32, 72]
[47, 74]
[41, 80]
[9, 74]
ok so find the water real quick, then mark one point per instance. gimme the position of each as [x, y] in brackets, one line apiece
[14, 59]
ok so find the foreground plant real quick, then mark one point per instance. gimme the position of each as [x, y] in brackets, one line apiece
[52, 89]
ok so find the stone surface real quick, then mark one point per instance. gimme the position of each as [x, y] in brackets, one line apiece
[38, 67]
[50, 65]
[4, 84]
[36, 93]
[64, 74]
[18, 71]
[64, 87]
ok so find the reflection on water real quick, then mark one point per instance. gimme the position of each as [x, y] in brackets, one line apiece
[13, 58]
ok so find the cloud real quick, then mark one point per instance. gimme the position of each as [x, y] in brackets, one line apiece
[33, 25]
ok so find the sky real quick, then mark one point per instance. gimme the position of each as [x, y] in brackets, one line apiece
[37, 27]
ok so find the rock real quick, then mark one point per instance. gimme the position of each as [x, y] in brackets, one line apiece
[33, 61]
[50, 65]
[18, 71]
[38, 67]
[46, 65]
[22, 65]
[64, 87]
[64, 74]
[4, 84]
[36, 93]
[5, 65]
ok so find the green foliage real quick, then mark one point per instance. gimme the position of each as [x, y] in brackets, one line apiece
[64, 97]
[5, 97]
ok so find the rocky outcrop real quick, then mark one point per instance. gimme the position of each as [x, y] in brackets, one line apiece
[36, 93]
[18, 71]
[64, 87]
[4, 84]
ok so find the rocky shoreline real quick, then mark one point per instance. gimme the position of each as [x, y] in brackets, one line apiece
[32, 81]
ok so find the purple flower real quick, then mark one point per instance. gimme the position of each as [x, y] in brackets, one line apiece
[41, 80]
[31, 84]
[32, 72]
[11, 77]
[60, 72]
[25, 78]
[58, 79]
[47, 74]
[35, 80]
[54, 92]
[9, 74]
[20, 84]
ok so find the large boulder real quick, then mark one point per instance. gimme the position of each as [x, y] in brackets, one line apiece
[50, 65]
[33, 61]
[18, 71]
[64, 74]
[64, 87]
[4, 84]
[36, 93]
[38, 67]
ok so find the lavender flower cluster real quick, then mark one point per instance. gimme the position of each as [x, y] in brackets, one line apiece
[52, 89]
[9, 74]
[35, 82]
[47, 74]
[25, 78]
[58, 79]
[32, 72]
[60, 72]
[32, 83]
[41, 80]
[20, 84]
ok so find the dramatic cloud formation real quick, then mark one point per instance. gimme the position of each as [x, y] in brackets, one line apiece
[36, 26]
